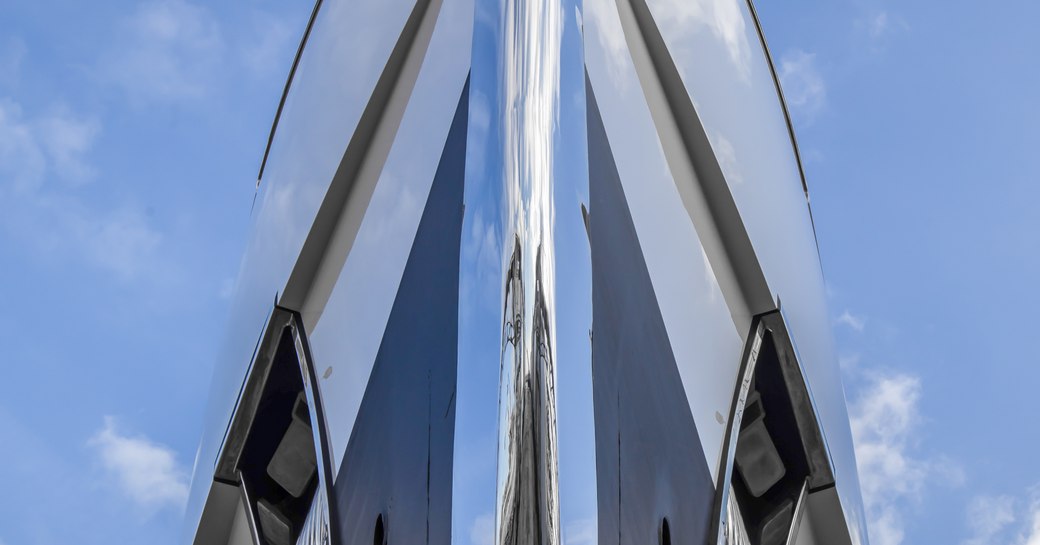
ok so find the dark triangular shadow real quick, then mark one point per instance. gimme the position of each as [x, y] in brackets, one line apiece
[400, 450]
[650, 466]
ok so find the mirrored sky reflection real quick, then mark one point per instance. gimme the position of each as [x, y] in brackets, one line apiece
[127, 170]
[526, 181]
[716, 49]
[530, 101]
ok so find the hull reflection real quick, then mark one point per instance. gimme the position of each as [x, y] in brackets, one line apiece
[528, 498]
[528, 494]
[515, 279]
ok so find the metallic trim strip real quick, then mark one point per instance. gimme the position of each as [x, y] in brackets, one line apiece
[316, 527]
[718, 531]
[799, 512]
[783, 103]
[339, 217]
[246, 497]
[322, 443]
[285, 91]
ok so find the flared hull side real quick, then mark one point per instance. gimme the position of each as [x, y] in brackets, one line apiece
[529, 272]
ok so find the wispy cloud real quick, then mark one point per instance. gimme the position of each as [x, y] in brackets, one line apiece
[22, 159]
[269, 48]
[169, 50]
[804, 89]
[12, 55]
[36, 152]
[679, 19]
[67, 138]
[580, 532]
[1004, 519]
[881, 24]
[482, 532]
[227, 289]
[849, 363]
[850, 320]
[147, 472]
[604, 18]
[724, 18]
[479, 132]
[884, 420]
[1031, 533]
[120, 240]
[33, 148]
[727, 155]
[988, 516]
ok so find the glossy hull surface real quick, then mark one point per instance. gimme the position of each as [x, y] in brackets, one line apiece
[542, 261]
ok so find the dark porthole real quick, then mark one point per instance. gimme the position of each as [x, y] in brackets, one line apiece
[666, 534]
[379, 537]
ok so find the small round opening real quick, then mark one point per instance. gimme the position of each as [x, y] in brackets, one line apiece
[380, 534]
[666, 534]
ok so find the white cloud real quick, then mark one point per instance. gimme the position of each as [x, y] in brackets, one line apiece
[53, 219]
[884, 422]
[479, 132]
[121, 241]
[227, 289]
[22, 159]
[1004, 519]
[580, 532]
[724, 18]
[147, 472]
[12, 55]
[988, 517]
[607, 25]
[66, 140]
[812, 155]
[30, 149]
[480, 114]
[849, 362]
[1031, 534]
[169, 51]
[804, 89]
[852, 321]
[881, 24]
[482, 532]
[270, 46]
[727, 155]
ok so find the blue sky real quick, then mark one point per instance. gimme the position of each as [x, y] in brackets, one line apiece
[919, 125]
[130, 137]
